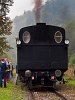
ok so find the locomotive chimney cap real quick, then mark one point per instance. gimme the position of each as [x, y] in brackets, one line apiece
[40, 23]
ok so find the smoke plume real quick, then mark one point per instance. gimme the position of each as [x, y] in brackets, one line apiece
[37, 8]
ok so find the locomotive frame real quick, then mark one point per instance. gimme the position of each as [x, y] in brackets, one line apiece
[42, 55]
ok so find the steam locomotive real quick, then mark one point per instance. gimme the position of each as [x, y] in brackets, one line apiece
[42, 55]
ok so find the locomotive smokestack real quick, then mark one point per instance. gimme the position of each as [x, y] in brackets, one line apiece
[37, 8]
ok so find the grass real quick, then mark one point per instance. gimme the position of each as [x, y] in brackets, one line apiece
[69, 76]
[13, 92]
[6, 93]
[71, 81]
[18, 92]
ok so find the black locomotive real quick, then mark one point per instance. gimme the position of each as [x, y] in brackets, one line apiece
[42, 55]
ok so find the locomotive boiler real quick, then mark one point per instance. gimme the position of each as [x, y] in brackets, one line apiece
[42, 55]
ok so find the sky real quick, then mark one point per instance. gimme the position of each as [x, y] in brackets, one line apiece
[19, 6]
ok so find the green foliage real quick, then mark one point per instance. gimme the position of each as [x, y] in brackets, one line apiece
[9, 56]
[13, 91]
[4, 46]
[71, 81]
[70, 34]
[7, 93]
[72, 59]
[4, 6]
[5, 29]
[5, 25]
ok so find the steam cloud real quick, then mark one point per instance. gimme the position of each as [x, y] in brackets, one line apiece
[37, 8]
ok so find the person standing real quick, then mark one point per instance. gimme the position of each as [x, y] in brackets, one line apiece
[3, 71]
[11, 70]
[0, 74]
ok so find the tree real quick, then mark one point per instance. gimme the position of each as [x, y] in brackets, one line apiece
[4, 6]
[5, 24]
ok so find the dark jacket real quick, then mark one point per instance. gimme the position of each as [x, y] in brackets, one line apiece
[3, 67]
[0, 65]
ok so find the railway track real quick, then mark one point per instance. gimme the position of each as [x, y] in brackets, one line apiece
[59, 95]
[49, 94]
[31, 95]
[45, 95]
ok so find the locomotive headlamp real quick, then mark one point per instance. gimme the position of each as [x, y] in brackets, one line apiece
[58, 73]
[66, 41]
[18, 42]
[58, 37]
[26, 37]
